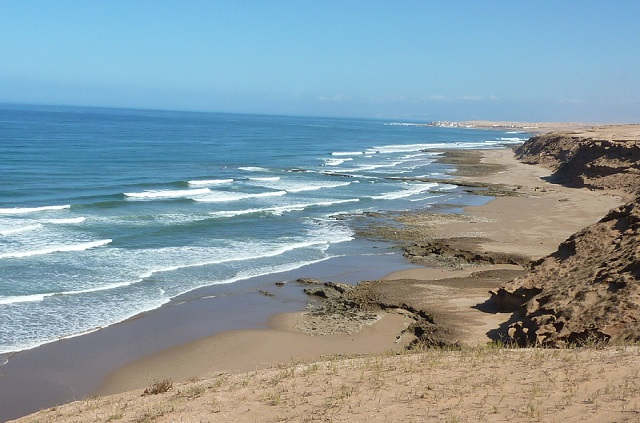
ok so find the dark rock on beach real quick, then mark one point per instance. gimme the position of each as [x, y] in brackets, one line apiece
[457, 251]
[347, 308]
[308, 281]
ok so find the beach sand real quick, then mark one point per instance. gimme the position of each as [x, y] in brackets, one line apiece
[438, 385]
[250, 349]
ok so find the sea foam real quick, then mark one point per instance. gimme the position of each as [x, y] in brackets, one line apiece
[23, 210]
[321, 237]
[407, 192]
[22, 298]
[265, 178]
[56, 248]
[253, 169]
[347, 153]
[336, 162]
[204, 182]
[301, 186]
[39, 297]
[368, 167]
[20, 229]
[407, 148]
[279, 210]
[224, 196]
[167, 193]
[64, 221]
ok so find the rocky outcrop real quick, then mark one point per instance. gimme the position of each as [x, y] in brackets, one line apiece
[455, 252]
[586, 162]
[588, 290]
[347, 308]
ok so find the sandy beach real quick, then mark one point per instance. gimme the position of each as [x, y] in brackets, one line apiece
[74, 368]
[531, 223]
[443, 301]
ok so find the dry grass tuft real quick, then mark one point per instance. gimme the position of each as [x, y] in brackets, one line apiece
[159, 387]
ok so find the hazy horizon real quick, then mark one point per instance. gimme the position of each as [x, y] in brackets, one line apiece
[498, 61]
[417, 120]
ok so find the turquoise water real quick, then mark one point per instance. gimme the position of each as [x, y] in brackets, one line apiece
[105, 213]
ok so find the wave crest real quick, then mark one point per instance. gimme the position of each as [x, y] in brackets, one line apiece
[279, 210]
[23, 210]
[204, 182]
[347, 153]
[407, 192]
[265, 178]
[168, 193]
[56, 249]
[253, 169]
[26, 228]
[224, 196]
[64, 221]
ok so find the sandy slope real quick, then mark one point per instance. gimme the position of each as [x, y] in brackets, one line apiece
[472, 385]
[590, 286]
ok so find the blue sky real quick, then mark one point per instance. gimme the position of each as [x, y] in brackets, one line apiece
[422, 60]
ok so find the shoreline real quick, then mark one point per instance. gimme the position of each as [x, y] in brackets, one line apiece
[451, 295]
[73, 368]
[430, 280]
[252, 349]
[6, 356]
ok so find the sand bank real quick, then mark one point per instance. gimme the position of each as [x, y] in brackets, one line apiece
[251, 349]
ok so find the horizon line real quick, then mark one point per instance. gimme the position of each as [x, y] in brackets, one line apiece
[319, 116]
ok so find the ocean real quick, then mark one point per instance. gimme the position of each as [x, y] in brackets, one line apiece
[106, 213]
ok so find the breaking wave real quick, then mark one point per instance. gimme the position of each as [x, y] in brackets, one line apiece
[253, 169]
[23, 210]
[26, 228]
[181, 193]
[407, 192]
[224, 196]
[56, 248]
[279, 210]
[205, 182]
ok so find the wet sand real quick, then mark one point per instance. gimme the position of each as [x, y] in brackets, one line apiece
[251, 349]
[74, 368]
